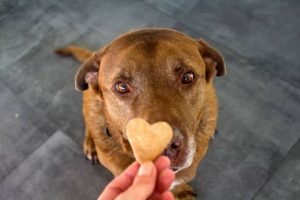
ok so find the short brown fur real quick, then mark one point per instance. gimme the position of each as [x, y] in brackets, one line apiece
[149, 60]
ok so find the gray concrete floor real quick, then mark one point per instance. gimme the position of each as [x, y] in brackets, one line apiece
[256, 154]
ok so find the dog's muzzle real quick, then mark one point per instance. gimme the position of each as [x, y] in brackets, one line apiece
[180, 151]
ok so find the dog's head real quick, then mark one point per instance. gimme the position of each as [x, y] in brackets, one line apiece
[157, 75]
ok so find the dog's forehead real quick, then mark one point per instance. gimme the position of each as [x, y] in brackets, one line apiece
[149, 52]
[150, 45]
[149, 35]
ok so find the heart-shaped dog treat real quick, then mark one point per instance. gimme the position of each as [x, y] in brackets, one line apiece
[148, 141]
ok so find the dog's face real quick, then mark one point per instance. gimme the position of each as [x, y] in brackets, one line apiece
[157, 75]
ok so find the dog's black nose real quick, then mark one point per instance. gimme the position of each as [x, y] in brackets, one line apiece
[175, 144]
[177, 138]
[176, 150]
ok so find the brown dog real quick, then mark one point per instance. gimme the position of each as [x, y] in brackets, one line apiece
[157, 75]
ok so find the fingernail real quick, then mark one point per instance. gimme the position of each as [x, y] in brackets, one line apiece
[146, 169]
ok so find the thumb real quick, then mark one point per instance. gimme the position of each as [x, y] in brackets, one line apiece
[143, 184]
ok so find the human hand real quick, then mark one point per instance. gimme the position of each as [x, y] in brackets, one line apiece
[148, 181]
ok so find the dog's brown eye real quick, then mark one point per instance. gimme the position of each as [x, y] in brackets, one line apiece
[121, 87]
[187, 77]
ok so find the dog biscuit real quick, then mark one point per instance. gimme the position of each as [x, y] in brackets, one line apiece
[148, 141]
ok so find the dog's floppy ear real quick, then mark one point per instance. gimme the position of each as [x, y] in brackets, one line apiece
[87, 75]
[213, 60]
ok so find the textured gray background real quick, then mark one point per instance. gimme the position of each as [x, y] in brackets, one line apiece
[256, 154]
